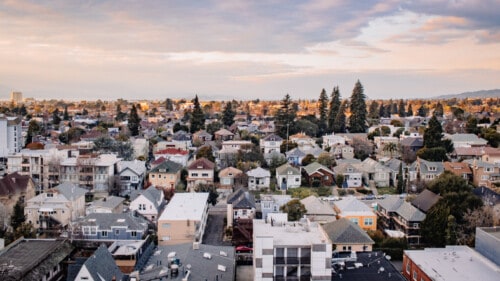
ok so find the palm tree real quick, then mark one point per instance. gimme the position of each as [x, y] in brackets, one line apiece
[390, 147]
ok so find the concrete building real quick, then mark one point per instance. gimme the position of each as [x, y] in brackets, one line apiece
[11, 139]
[290, 251]
[488, 243]
[184, 219]
[16, 97]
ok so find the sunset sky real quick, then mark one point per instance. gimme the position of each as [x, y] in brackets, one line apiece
[247, 49]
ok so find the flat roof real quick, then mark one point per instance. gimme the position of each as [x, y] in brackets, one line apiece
[185, 206]
[368, 266]
[455, 263]
[290, 233]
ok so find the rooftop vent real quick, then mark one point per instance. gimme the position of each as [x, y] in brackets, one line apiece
[207, 256]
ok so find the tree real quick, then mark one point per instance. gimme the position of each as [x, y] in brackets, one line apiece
[362, 148]
[323, 112]
[357, 121]
[438, 111]
[307, 127]
[169, 105]
[334, 108]
[422, 110]
[402, 105]
[433, 134]
[308, 159]
[134, 121]
[295, 209]
[400, 184]
[373, 111]
[214, 127]
[17, 217]
[381, 110]
[340, 120]
[34, 128]
[385, 131]
[65, 115]
[228, 114]
[205, 152]
[410, 110]
[326, 160]
[480, 217]
[471, 126]
[285, 117]
[390, 147]
[492, 136]
[198, 117]
[55, 117]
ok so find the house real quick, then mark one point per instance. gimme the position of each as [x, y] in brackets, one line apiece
[182, 140]
[396, 214]
[131, 175]
[342, 151]
[491, 155]
[258, 178]
[166, 175]
[14, 188]
[374, 172]
[271, 143]
[240, 205]
[189, 262]
[373, 266]
[100, 266]
[348, 236]
[200, 172]
[291, 250]
[235, 145]
[34, 259]
[393, 165]
[466, 140]
[303, 141]
[410, 146]
[228, 178]
[425, 200]
[332, 140]
[464, 153]
[271, 203]
[318, 175]
[352, 175]
[457, 263]
[460, 169]
[131, 255]
[223, 135]
[287, 177]
[149, 203]
[425, 170]
[485, 174]
[202, 136]
[184, 219]
[57, 207]
[177, 155]
[356, 211]
[141, 147]
[318, 210]
[487, 243]
[109, 204]
[295, 156]
[109, 226]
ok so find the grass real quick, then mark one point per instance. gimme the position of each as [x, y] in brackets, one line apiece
[386, 190]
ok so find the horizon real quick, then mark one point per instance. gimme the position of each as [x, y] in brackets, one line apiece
[244, 51]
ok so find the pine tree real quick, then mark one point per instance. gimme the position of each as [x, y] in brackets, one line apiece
[340, 119]
[410, 110]
[323, 111]
[285, 118]
[394, 107]
[333, 108]
[119, 113]
[65, 115]
[422, 111]
[169, 105]
[439, 111]
[357, 121]
[17, 217]
[134, 121]
[373, 112]
[198, 117]
[400, 183]
[433, 134]
[34, 129]
[228, 114]
[55, 117]
[402, 105]
[381, 110]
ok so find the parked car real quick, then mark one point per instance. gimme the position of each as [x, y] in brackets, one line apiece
[244, 249]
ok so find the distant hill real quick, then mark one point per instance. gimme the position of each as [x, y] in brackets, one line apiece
[495, 93]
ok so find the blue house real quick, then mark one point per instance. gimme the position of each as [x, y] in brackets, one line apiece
[109, 226]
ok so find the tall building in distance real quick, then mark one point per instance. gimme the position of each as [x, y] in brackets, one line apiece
[11, 140]
[16, 97]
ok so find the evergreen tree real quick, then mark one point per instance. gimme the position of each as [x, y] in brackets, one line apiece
[433, 134]
[17, 217]
[410, 110]
[323, 112]
[228, 114]
[34, 129]
[65, 115]
[134, 121]
[402, 105]
[23, 111]
[119, 113]
[394, 108]
[422, 110]
[373, 111]
[55, 117]
[333, 108]
[169, 105]
[381, 110]
[340, 119]
[471, 126]
[400, 183]
[198, 117]
[357, 121]
[285, 118]
[439, 111]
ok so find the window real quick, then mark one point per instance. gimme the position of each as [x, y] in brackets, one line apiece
[194, 174]
[415, 275]
[297, 179]
[368, 221]
[346, 248]
[355, 220]
[408, 267]
[165, 225]
[117, 232]
[152, 176]
[133, 233]
[485, 177]
[205, 175]
[165, 238]
[104, 233]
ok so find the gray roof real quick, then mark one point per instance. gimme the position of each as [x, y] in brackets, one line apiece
[153, 195]
[167, 167]
[259, 173]
[315, 206]
[285, 168]
[273, 137]
[241, 199]
[413, 142]
[394, 163]
[425, 200]
[314, 166]
[70, 191]
[344, 231]
[107, 220]
[138, 167]
[296, 152]
[220, 263]
[102, 266]
[110, 202]
[425, 165]
[402, 208]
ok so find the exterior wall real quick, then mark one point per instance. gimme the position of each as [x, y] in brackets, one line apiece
[411, 271]
[11, 140]
[165, 180]
[61, 212]
[129, 180]
[196, 177]
[256, 183]
[353, 179]
[144, 207]
[487, 244]
[325, 179]
[288, 181]
[114, 233]
[271, 146]
[176, 232]
[353, 247]
[360, 220]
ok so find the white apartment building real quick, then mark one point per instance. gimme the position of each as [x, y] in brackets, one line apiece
[290, 251]
[11, 140]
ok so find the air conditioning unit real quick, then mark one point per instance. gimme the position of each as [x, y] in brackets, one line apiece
[196, 245]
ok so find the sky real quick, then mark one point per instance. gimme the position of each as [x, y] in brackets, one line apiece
[244, 49]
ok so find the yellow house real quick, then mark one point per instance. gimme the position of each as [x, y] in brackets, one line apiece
[357, 212]
[166, 175]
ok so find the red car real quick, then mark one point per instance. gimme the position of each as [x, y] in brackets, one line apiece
[244, 249]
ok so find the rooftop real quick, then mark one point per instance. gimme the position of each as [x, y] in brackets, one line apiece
[185, 206]
[369, 266]
[290, 233]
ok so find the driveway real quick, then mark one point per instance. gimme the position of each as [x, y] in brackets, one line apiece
[214, 231]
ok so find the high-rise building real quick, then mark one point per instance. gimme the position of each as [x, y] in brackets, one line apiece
[16, 97]
[11, 140]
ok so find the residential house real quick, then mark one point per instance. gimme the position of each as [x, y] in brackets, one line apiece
[318, 210]
[182, 139]
[14, 188]
[11, 139]
[270, 144]
[303, 141]
[291, 251]
[342, 151]
[229, 178]
[258, 178]
[425, 170]
[348, 236]
[109, 204]
[393, 165]
[149, 203]
[110, 226]
[287, 177]
[131, 175]
[410, 146]
[397, 214]
[100, 266]
[132, 255]
[166, 175]
[491, 155]
[271, 203]
[223, 135]
[485, 174]
[465, 153]
[57, 207]
[295, 156]
[466, 140]
[240, 206]
[199, 262]
[460, 169]
[184, 219]
[425, 200]
[236, 145]
[177, 155]
[200, 172]
[375, 173]
[457, 263]
[356, 211]
[332, 140]
[352, 175]
[35, 259]
[487, 243]
[318, 175]
[202, 136]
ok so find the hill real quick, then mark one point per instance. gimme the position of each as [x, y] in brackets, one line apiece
[495, 93]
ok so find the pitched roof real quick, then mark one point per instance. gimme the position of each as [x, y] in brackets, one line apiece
[201, 164]
[229, 171]
[108, 202]
[315, 166]
[286, 168]
[457, 168]
[402, 208]
[296, 152]
[241, 199]
[413, 141]
[259, 173]
[344, 231]
[153, 195]
[102, 266]
[425, 200]
[273, 137]
[167, 167]
[223, 132]
[13, 183]
[138, 167]
[315, 206]
[107, 220]
[71, 191]
[351, 205]
[172, 151]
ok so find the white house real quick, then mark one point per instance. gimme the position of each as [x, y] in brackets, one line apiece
[332, 140]
[149, 203]
[270, 144]
[100, 266]
[288, 176]
[131, 174]
[258, 178]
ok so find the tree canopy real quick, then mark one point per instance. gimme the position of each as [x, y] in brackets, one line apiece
[295, 209]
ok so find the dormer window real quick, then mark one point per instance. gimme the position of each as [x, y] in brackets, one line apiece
[432, 168]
